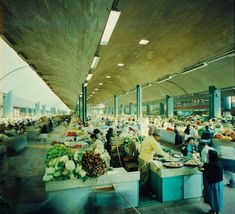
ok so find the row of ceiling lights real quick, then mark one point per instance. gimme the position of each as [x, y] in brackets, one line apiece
[110, 25]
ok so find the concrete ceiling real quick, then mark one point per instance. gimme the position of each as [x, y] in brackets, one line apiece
[58, 37]
[61, 37]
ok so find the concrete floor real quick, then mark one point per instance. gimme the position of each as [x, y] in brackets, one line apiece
[28, 195]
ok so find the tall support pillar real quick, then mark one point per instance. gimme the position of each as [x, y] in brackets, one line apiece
[214, 102]
[8, 104]
[169, 106]
[139, 103]
[43, 109]
[131, 109]
[161, 109]
[148, 109]
[110, 110]
[80, 106]
[227, 103]
[84, 104]
[37, 108]
[122, 109]
[115, 107]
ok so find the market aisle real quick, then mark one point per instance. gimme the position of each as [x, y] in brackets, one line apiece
[29, 167]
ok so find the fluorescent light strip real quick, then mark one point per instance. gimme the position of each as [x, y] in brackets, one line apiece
[108, 77]
[164, 80]
[86, 84]
[95, 62]
[195, 68]
[143, 42]
[89, 77]
[120, 64]
[100, 83]
[110, 25]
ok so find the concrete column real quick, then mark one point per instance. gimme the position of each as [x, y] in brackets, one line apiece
[227, 103]
[8, 104]
[214, 102]
[139, 103]
[110, 110]
[84, 104]
[169, 106]
[131, 109]
[161, 108]
[122, 107]
[43, 109]
[37, 108]
[148, 110]
[115, 107]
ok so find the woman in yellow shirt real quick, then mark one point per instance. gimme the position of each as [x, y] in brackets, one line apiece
[148, 147]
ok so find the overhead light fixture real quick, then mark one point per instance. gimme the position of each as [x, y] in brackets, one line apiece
[120, 64]
[23, 56]
[85, 84]
[93, 92]
[100, 83]
[150, 84]
[231, 54]
[96, 89]
[164, 80]
[143, 42]
[95, 62]
[89, 77]
[33, 67]
[194, 68]
[110, 25]
[108, 77]
[91, 95]
[80, 95]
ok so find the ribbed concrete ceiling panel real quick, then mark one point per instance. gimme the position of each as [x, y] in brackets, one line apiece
[59, 37]
[181, 34]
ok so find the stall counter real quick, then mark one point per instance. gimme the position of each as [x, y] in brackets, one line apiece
[75, 194]
[171, 184]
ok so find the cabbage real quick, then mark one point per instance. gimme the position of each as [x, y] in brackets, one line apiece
[69, 165]
[50, 171]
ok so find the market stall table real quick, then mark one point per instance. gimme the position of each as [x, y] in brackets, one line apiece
[74, 195]
[171, 184]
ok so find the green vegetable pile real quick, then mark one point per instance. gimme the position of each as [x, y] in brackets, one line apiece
[58, 150]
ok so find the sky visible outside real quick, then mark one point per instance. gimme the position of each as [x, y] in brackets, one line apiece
[24, 83]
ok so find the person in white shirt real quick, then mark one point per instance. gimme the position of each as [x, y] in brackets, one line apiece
[97, 144]
[205, 150]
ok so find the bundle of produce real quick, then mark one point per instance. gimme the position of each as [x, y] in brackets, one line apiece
[55, 142]
[169, 129]
[57, 150]
[71, 134]
[128, 140]
[93, 164]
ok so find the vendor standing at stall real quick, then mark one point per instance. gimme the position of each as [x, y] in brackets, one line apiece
[148, 147]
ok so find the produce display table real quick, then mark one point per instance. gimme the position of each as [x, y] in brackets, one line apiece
[171, 184]
[74, 195]
[17, 143]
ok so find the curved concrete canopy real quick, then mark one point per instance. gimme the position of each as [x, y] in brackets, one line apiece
[61, 37]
